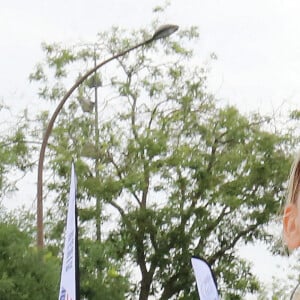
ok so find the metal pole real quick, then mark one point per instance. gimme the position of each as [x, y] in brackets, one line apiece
[98, 201]
[40, 224]
[162, 32]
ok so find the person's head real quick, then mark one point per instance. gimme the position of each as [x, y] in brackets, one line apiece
[291, 216]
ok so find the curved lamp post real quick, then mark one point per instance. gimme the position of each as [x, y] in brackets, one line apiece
[161, 32]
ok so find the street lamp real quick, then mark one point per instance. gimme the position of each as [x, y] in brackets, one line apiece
[162, 32]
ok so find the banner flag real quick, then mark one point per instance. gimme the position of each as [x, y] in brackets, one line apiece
[69, 282]
[206, 282]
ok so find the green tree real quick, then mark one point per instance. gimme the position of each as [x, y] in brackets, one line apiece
[25, 273]
[15, 159]
[177, 174]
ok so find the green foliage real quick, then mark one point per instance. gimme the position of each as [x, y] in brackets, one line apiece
[25, 273]
[99, 274]
[14, 155]
[176, 175]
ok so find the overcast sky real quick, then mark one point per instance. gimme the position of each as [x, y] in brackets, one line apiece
[257, 43]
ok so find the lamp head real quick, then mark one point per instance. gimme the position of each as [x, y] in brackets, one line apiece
[164, 31]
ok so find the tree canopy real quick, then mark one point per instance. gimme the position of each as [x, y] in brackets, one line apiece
[164, 171]
[24, 273]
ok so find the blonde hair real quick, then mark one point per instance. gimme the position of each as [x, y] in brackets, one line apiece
[294, 181]
[296, 293]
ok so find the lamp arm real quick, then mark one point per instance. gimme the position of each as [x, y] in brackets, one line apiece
[40, 229]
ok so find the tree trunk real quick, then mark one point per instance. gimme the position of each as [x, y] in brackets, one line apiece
[145, 287]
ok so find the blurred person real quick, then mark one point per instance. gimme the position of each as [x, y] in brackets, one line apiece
[291, 215]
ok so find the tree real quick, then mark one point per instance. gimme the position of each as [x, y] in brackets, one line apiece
[15, 158]
[24, 273]
[177, 174]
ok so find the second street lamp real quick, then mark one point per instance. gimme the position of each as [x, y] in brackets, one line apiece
[162, 32]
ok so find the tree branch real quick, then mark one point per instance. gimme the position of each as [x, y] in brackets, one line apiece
[226, 247]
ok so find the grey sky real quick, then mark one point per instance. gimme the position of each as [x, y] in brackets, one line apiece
[257, 43]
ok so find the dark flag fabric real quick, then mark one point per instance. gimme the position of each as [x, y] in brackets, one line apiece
[206, 283]
[69, 282]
